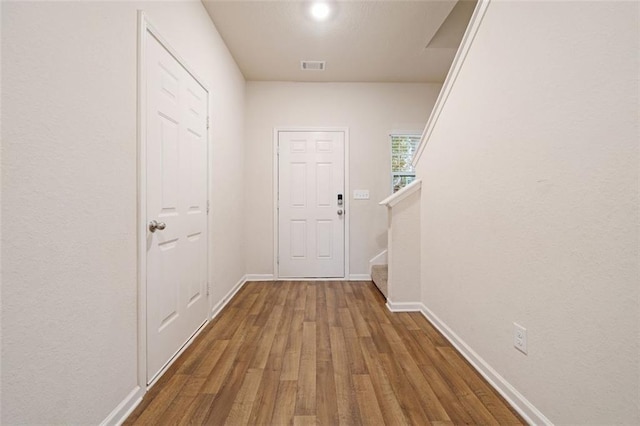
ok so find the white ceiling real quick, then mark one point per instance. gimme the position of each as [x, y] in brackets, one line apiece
[366, 41]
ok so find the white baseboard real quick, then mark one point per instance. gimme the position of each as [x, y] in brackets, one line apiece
[126, 407]
[359, 277]
[222, 303]
[214, 312]
[270, 277]
[404, 306]
[259, 277]
[177, 355]
[527, 410]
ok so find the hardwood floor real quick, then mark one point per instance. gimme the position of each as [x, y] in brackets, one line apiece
[323, 353]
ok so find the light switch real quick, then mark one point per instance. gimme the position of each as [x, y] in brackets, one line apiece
[360, 194]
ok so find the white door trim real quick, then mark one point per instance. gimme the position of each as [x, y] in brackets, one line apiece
[145, 28]
[347, 198]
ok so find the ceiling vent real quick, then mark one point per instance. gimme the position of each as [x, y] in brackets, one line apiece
[312, 65]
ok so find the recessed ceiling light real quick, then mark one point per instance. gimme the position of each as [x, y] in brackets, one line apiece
[320, 11]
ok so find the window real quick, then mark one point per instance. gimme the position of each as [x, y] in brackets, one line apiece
[402, 149]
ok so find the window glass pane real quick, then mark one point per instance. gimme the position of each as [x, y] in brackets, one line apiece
[400, 182]
[402, 150]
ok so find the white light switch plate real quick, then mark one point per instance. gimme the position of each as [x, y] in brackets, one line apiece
[360, 194]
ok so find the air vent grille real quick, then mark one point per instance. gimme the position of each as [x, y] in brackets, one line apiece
[312, 65]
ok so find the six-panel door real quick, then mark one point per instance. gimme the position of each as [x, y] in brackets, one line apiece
[176, 163]
[310, 216]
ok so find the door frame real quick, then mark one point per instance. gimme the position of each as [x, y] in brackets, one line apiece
[146, 29]
[276, 183]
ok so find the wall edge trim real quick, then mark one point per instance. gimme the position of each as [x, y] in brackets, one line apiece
[403, 306]
[452, 75]
[227, 297]
[359, 277]
[519, 403]
[259, 277]
[125, 408]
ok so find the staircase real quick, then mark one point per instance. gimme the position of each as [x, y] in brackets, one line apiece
[398, 275]
[379, 276]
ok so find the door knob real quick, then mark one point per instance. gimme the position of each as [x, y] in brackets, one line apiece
[153, 225]
[340, 212]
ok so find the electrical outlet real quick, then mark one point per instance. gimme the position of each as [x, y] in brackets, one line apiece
[520, 338]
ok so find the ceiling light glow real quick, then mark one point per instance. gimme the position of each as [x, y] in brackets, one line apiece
[320, 11]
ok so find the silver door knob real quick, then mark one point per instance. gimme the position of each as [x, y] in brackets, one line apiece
[340, 212]
[153, 225]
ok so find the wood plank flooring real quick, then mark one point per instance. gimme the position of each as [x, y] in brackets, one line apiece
[320, 353]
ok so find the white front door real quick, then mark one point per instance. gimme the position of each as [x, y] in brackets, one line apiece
[176, 198]
[311, 204]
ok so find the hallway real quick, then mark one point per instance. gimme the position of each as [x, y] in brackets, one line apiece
[322, 352]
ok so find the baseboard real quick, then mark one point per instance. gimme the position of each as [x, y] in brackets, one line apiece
[126, 407]
[259, 277]
[222, 303]
[404, 306]
[527, 410]
[270, 277]
[359, 277]
[174, 358]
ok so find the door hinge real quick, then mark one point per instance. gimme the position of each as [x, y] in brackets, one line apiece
[207, 122]
[207, 206]
[208, 288]
[278, 260]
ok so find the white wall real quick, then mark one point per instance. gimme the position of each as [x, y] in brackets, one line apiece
[530, 205]
[69, 197]
[370, 111]
[404, 250]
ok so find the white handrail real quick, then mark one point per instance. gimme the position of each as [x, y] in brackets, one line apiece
[395, 198]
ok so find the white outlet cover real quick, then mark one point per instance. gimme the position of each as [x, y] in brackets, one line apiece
[520, 338]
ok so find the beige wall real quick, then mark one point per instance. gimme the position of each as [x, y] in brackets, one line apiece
[69, 300]
[530, 205]
[404, 251]
[370, 111]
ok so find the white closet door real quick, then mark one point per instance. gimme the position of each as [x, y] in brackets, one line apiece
[176, 163]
